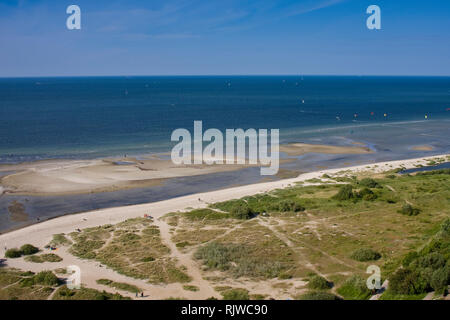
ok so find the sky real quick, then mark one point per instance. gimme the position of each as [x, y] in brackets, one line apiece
[226, 37]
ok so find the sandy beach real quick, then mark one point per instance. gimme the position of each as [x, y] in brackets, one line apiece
[40, 234]
[62, 177]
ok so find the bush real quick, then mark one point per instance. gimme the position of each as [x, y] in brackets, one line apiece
[319, 283]
[236, 294]
[445, 227]
[318, 295]
[433, 260]
[369, 183]
[409, 257]
[289, 206]
[28, 249]
[344, 193]
[365, 254]
[404, 281]
[13, 253]
[440, 280]
[409, 210]
[354, 288]
[46, 278]
[367, 194]
[241, 210]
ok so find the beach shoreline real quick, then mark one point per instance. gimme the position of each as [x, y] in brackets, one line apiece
[41, 233]
[71, 177]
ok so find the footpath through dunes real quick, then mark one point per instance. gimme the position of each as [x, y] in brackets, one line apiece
[41, 234]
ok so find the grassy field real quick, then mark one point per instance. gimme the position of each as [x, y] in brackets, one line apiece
[333, 230]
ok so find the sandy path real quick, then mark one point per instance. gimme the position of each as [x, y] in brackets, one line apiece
[185, 259]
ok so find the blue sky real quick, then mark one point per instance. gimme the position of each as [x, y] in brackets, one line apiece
[209, 37]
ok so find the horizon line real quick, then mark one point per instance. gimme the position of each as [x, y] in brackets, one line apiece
[224, 75]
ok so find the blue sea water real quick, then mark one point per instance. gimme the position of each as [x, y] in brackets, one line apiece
[42, 118]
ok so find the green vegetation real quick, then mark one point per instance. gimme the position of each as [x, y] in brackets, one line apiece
[19, 285]
[65, 293]
[369, 183]
[243, 260]
[252, 206]
[191, 288]
[354, 288]
[365, 254]
[134, 249]
[318, 295]
[236, 294]
[25, 250]
[319, 283]
[28, 249]
[60, 240]
[119, 285]
[345, 193]
[409, 210]
[426, 270]
[47, 257]
[13, 253]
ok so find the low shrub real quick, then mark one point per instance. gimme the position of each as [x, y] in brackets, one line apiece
[241, 210]
[318, 295]
[409, 210]
[369, 183]
[290, 206]
[367, 194]
[365, 254]
[47, 278]
[318, 283]
[236, 294]
[344, 193]
[354, 288]
[13, 253]
[28, 249]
